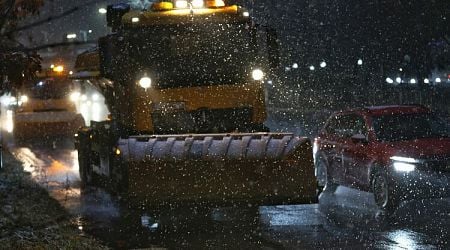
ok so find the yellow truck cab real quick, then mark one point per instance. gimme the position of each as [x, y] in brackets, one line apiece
[176, 69]
[45, 107]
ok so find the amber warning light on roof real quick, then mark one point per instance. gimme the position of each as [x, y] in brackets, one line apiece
[187, 4]
[58, 68]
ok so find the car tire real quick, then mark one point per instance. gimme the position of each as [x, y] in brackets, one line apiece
[320, 165]
[382, 189]
[330, 185]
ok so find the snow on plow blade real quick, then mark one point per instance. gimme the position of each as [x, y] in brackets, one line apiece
[263, 169]
[46, 124]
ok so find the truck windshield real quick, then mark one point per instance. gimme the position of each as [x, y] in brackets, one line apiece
[196, 55]
[410, 127]
[50, 88]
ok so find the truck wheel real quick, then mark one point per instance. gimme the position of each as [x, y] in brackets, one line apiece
[84, 161]
[385, 199]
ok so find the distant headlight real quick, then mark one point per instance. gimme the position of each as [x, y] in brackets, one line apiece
[257, 75]
[145, 82]
[24, 99]
[75, 96]
[197, 3]
[12, 100]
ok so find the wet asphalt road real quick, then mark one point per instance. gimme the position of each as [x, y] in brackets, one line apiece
[345, 219]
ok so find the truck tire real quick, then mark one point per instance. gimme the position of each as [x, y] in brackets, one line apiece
[84, 160]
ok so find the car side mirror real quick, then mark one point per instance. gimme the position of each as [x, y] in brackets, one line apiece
[359, 138]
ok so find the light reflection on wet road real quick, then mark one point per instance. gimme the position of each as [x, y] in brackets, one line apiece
[346, 219]
[341, 220]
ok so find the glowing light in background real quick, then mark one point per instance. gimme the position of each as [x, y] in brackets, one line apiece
[9, 126]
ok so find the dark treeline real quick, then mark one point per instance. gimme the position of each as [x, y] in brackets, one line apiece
[385, 35]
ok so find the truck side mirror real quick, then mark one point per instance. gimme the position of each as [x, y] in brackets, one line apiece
[273, 48]
[115, 13]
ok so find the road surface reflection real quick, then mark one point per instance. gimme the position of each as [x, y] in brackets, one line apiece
[345, 219]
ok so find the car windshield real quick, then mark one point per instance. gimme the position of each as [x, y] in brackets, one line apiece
[50, 88]
[196, 55]
[410, 127]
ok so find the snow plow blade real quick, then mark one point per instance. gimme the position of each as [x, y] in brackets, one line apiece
[38, 125]
[219, 169]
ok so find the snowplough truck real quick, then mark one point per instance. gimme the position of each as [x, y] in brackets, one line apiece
[184, 85]
[45, 107]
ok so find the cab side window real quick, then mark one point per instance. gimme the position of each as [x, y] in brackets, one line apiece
[349, 125]
[332, 125]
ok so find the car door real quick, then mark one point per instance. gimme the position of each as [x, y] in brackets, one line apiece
[331, 146]
[355, 152]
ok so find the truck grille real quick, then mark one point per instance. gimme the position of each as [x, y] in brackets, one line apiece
[202, 120]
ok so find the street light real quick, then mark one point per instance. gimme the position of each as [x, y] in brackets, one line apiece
[102, 11]
[360, 62]
[323, 64]
[312, 68]
[398, 80]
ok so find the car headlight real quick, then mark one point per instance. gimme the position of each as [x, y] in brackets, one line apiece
[24, 99]
[404, 167]
[75, 96]
[404, 164]
[257, 75]
[145, 82]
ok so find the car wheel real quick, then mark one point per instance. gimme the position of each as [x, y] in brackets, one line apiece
[384, 197]
[321, 169]
[330, 185]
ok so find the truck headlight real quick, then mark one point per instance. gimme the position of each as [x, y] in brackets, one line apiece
[75, 96]
[145, 82]
[257, 75]
[24, 99]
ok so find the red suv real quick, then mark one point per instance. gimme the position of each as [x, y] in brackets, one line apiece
[397, 152]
